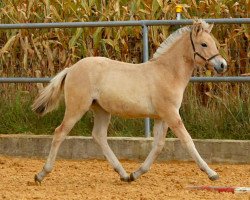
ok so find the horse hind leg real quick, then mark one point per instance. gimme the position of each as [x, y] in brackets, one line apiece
[74, 112]
[99, 133]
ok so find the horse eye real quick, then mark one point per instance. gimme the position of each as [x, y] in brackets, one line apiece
[203, 44]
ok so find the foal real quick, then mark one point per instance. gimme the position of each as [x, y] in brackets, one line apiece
[153, 89]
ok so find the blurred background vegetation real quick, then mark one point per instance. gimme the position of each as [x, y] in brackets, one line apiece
[209, 110]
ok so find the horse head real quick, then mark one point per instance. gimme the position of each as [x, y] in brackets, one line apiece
[204, 48]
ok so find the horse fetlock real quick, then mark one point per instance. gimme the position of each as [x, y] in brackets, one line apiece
[124, 175]
[214, 177]
[47, 169]
[144, 169]
[135, 175]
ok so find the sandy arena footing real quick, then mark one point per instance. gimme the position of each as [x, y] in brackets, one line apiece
[95, 179]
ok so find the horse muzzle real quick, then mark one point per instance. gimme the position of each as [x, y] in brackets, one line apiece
[219, 64]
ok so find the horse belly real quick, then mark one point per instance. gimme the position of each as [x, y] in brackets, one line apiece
[129, 109]
[127, 103]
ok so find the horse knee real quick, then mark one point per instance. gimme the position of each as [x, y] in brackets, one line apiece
[98, 138]
[160, 147]
[47, 168]
[95, 137]
[180, 131]
[177, 124]
[65, 127]
[60, 134]
[161, 144]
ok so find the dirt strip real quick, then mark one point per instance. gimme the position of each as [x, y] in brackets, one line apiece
[95, 179]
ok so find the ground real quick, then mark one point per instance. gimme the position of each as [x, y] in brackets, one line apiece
[95, 179]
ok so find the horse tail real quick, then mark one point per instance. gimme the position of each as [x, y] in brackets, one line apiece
[49, 97]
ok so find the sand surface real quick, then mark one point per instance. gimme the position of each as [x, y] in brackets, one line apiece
[95, 179]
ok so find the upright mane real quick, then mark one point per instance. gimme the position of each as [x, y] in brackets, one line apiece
[166, 44]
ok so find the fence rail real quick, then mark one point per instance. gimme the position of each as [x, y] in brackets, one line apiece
[193, 79]
[121, 23]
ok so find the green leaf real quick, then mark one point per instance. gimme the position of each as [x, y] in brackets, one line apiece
[97, 37]
[73, 40]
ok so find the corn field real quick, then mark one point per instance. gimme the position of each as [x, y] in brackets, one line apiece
[44, 52]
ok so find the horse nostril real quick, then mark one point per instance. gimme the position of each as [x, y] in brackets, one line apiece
[222, 66]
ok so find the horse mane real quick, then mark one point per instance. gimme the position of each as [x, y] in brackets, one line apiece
[166, 44]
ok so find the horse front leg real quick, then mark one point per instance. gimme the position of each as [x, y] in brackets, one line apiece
[159, 131]
[177, 126]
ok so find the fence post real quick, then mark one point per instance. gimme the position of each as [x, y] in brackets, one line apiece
[145, 59]
[179, 9]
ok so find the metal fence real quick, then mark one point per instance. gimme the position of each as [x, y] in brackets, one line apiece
[144, 24]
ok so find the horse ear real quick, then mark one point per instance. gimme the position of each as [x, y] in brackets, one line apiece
[197, 28]
[210, 27]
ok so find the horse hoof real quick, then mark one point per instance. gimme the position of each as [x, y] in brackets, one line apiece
[37, 180]
[214, 177]
[126, 179]
[131, 177]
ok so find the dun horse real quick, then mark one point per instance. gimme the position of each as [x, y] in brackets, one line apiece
[153, 89]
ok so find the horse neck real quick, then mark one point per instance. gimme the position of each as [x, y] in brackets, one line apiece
[178, 60]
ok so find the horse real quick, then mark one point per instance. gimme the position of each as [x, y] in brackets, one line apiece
[152, 89]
